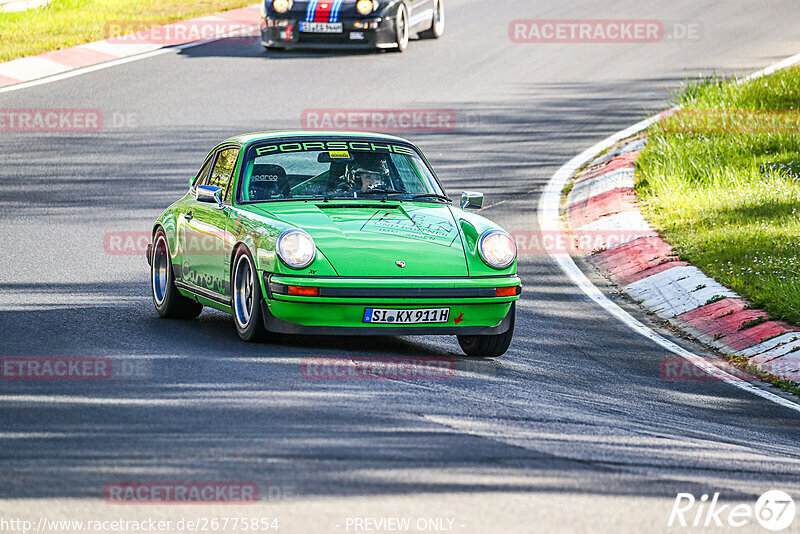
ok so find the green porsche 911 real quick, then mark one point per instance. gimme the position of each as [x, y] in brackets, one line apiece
[334, 234]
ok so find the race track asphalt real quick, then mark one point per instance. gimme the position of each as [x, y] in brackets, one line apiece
[574, 430]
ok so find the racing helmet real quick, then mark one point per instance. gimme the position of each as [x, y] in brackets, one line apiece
[374, 172]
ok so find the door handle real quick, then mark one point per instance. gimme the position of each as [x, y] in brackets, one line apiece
[189, 216]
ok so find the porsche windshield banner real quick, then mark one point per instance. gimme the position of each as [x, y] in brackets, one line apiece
[334, 146]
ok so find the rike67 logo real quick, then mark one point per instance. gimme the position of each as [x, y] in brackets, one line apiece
[774, 510]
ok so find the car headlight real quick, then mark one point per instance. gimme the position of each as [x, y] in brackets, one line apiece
[281, 6]
[296, 248]
[497, 249]
[365, 7]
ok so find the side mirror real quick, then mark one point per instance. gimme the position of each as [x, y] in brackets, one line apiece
[210, 194]
[471, 200]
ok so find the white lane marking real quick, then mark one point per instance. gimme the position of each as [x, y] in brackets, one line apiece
[676, 291]
[113, 63]
[788, 62]
[549, 221]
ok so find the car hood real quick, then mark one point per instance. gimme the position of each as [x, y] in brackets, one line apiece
[380, 239]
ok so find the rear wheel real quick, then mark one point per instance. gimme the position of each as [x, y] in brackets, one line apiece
[403, 30]
[166, 297]
[489, 346]
[437, 26]
[247, 315]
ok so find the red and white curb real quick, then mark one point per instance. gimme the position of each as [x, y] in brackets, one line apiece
[244, 21]
[550, 220]
[603, 202]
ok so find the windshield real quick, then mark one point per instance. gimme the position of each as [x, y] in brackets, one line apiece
[336, 169]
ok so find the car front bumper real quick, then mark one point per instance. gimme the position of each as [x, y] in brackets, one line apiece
[339, 307]
[288, 35]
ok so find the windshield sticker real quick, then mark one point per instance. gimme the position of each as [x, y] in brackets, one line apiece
[339, 154]
[334, 147]
[438, 230]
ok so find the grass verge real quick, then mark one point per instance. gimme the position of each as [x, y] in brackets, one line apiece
[65, 23]
[720, 180]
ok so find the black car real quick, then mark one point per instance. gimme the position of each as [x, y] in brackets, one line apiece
[382, 24]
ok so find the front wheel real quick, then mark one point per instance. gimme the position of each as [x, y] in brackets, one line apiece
[403, 30]
[247, 298]
[166, 297]
[437, 25]
[491, 346]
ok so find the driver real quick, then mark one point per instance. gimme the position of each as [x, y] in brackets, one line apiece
[368, 175]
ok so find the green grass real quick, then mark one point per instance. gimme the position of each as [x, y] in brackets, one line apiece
[65, 23]
[721, 182]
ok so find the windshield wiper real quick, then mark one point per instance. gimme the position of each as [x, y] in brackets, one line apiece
[338, 196]
[434, 195]
[381, 192]
[386, 192]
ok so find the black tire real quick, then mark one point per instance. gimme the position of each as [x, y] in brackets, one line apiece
[246, 303]
[437, 24]
[402, 29]
[489, 346]
[166, 297]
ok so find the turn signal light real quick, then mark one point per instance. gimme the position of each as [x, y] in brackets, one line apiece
[302, 291]
[505, 291]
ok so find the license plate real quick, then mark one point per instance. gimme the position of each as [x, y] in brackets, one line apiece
[321, 27]
[424, 316]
